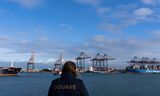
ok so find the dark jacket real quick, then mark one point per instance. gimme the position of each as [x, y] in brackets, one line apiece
[67, 85]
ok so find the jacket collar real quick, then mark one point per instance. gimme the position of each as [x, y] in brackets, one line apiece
[67, 75]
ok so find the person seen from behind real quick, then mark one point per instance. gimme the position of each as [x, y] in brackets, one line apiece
[68, 84]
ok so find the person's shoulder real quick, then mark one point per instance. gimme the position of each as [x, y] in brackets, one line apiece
[55, 80]
[78, 80]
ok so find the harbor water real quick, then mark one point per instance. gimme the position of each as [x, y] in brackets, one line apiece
[37, 84]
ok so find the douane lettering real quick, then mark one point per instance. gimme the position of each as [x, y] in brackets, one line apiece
[65, 86]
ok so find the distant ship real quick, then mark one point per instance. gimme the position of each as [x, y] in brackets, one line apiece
[46, 70]
[143, 65]
[10, 71]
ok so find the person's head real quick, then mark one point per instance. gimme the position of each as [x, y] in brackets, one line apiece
[69, 66]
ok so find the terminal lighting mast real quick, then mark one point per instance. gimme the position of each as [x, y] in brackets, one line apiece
[31, 63]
